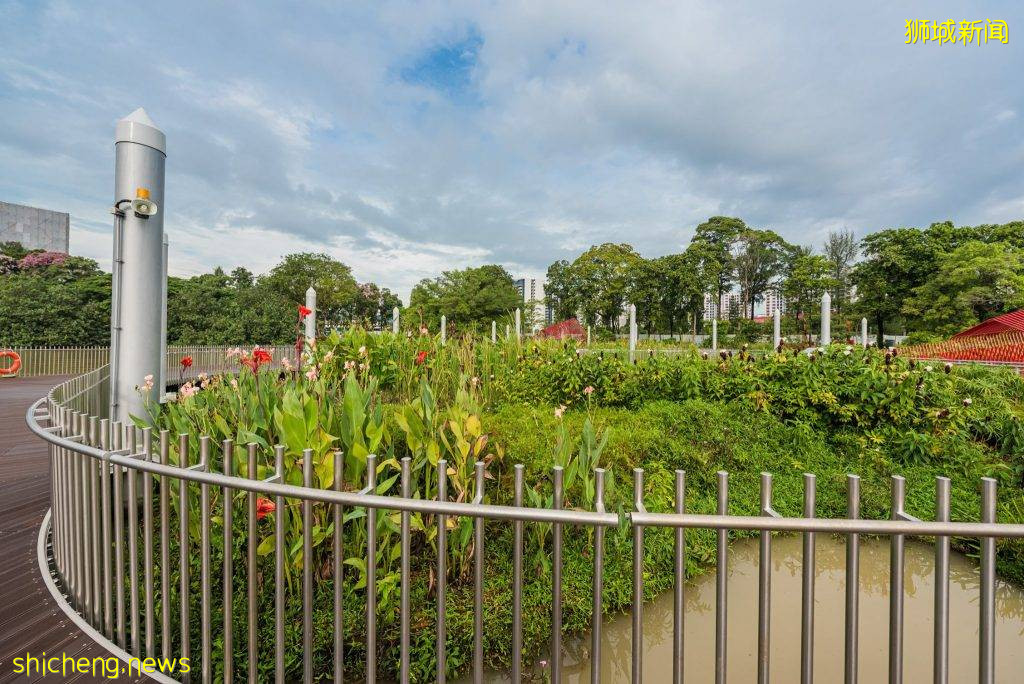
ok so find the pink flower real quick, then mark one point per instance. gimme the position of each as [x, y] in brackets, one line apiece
[147, 383]
[311, 374]
[588, 390]
[187, 390]
[559, 411]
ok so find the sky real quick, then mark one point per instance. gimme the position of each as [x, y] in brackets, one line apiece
[408, 138]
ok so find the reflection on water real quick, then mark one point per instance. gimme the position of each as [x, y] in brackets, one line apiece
[829, 615]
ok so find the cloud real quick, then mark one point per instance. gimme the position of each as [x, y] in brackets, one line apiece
[409, 138]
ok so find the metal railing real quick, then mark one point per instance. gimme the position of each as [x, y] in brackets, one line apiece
[114, 483]
[36, 361]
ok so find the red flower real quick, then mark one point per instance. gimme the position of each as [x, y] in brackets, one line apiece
[304, 311]
[258, 358]
[264, 506]
[186, 361]
[421, 357]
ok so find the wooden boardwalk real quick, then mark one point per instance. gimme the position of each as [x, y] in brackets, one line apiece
[30, 621]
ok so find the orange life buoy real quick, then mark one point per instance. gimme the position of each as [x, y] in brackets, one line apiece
[15, 362]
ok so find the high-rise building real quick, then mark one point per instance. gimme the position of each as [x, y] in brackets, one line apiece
[531, 290]
[773, 300]
[726, 304]
[34, 228]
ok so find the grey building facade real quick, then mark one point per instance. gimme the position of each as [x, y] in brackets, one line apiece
[34, 228]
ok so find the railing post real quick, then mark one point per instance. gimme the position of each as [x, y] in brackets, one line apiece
[679, 605]
[987, 617]
[807, 592]
[721, 581]
[896, 586]
[852, 582]
[940, 665]
[638, 580]
[764, 592]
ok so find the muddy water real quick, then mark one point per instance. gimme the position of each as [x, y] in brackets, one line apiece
[829, 616]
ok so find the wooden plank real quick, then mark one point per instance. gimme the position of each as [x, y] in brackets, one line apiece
[30, 620]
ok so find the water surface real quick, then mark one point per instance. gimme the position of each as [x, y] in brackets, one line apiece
[830, 588]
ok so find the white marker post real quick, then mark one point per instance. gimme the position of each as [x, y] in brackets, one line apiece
[714, 334]
[777, 328]
[395, 320]
[632, 332]
[494, 332]
[519, 324]
[444, 329]
[826, 320]
[139, 283]
[864, 332]
[588, 335]
[311, 318]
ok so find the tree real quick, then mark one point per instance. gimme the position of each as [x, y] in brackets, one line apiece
[896, 262]
[840, 250]
[973, 282]
[681, 288]
[16, 250]
[808, 279]
[605, 274]
[760, 255]
[374, 306]
[335, 287]
[471, 298]
[560, 291]
[62, 304]
[713, 241]
[646, 291]
[242, 278]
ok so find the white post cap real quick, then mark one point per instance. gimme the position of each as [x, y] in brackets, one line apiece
[137, 127]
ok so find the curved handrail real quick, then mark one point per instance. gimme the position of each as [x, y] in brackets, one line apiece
[327, 496]
[76, 457]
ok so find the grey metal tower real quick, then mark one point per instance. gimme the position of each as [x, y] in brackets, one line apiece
[137, 309]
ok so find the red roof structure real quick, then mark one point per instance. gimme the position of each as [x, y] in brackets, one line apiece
[1008, 322]
[565, 329]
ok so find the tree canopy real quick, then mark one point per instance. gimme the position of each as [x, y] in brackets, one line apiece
[59, 300]
[470, 298]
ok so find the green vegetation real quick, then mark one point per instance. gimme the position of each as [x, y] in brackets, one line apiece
[937, 280]
[470, 298]
[838, 411]
[934, 281]
[52, 299]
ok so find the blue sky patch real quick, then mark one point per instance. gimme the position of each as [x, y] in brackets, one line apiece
[447, 67]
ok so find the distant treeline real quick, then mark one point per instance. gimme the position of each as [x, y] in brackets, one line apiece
[933, 282]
